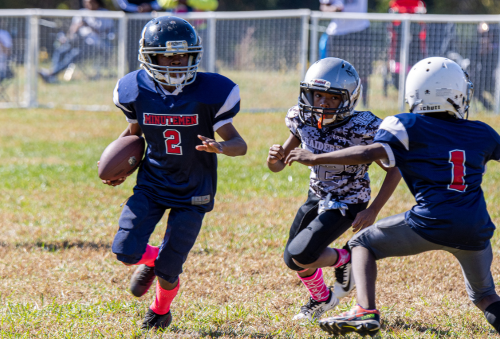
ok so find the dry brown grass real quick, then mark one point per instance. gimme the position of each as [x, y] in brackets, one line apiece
[58, 278]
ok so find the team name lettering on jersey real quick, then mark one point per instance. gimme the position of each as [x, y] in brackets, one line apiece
[170, 120]
[318, 145]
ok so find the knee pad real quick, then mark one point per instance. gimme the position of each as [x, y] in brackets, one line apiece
[287, 258]
[299, 249]
[492, 314]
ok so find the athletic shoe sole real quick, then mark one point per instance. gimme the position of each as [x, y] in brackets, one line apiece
[364, 327]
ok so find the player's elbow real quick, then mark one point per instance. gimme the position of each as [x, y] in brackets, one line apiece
[369, 154]
[243, 147]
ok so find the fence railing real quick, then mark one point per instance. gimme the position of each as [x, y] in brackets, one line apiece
[266, 52]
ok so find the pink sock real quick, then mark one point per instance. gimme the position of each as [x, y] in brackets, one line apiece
[316, 286]
[149, 257]
[163, 299]
[343, 257]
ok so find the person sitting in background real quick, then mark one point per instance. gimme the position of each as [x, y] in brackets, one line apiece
[85, 36]
[5, 52]
[183, 6]
[133, 32]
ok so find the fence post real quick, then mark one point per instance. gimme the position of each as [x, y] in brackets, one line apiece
[403, 61]
[122, 46]
[497, 81]
[313, 50]
[304, 44]
[31, 60]
[212, 31]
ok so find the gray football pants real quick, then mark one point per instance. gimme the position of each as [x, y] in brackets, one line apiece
[393, 237]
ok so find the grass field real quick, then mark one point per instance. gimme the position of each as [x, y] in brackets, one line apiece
[59, 279]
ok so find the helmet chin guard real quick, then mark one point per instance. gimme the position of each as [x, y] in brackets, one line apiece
[436, 85]
[333, 76]
[169, 35]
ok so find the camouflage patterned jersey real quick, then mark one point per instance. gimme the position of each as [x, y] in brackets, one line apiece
[348, 184]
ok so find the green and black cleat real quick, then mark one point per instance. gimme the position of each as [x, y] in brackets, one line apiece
[357, 320]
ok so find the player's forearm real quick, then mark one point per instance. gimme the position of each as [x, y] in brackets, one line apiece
[391, 181]
[277, 166]
[352, 156]
[234, 147]
[132, 129]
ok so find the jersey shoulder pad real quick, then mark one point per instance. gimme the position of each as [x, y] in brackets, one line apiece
[215, 88]
[395, 125]
[293, 112]
[293, 122]
[366, 118]
[127, 88]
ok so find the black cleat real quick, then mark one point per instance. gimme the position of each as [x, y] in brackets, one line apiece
[358, 320]
[141, 280]
[345, 280]
[156, 321]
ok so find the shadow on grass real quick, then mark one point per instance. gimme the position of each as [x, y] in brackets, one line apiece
[405, 324]
[224, 333]
[62, 245]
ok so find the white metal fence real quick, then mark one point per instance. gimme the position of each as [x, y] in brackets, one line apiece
[265, 52]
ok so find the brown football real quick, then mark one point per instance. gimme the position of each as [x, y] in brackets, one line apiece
[121, 158]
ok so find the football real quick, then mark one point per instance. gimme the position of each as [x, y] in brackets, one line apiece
[121, 158]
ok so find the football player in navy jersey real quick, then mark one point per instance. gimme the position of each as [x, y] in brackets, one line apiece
[442, 157]
[178, 110]
[325, 121]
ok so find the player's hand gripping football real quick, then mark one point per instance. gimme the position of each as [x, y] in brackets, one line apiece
[364, 219]
[276, 153]
[116, 182]
[209, 145]
[302, 156]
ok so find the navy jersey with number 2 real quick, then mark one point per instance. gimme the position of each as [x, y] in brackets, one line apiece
[173, 172]
[443, 162]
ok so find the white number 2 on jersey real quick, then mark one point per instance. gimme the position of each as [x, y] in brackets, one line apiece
[328, 172]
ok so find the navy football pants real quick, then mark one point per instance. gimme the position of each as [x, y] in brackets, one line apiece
[138, 221]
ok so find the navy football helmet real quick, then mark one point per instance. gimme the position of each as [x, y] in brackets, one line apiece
[170, 35]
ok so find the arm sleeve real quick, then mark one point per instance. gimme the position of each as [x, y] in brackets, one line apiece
[393, 136]
[229, 109]
[120, 100]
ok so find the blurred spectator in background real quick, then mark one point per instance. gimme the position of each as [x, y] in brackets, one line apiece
[134, 30]
[5, 52]
[86, 36]
[484, 63]
[183, 6]
[349, 39]
[137, 6]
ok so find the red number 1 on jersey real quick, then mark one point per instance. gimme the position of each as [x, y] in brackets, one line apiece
[173, 140]
[457, 159]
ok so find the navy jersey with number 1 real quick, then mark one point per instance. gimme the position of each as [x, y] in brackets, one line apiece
[173, 172]
[443, 161]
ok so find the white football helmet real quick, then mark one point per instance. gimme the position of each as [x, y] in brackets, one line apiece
[438, 85]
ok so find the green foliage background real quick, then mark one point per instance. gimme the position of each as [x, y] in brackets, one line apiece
[434, 6]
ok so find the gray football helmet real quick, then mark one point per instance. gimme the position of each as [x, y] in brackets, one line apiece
[330, 75]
